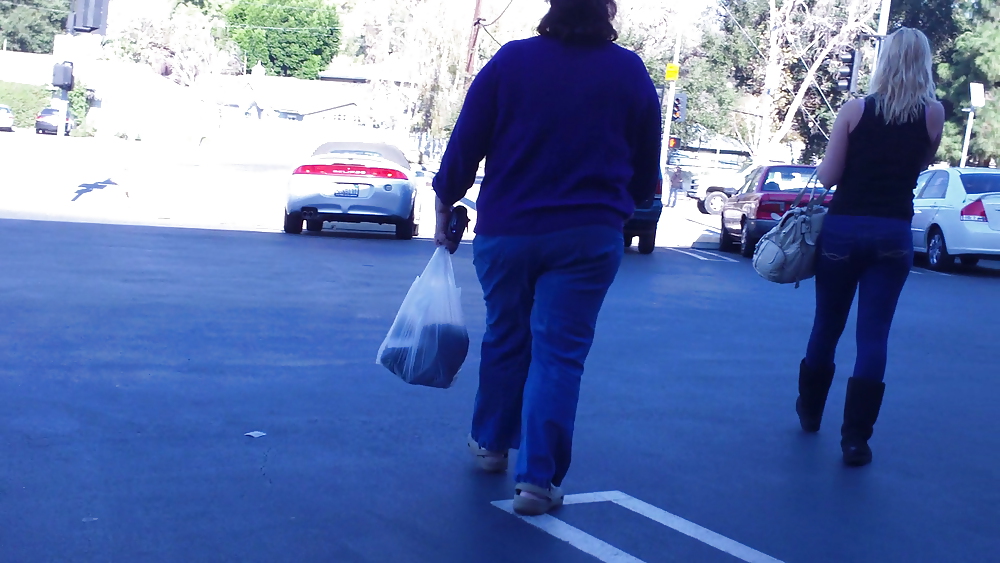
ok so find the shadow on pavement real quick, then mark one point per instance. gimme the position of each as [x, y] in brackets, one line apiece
[87, 188]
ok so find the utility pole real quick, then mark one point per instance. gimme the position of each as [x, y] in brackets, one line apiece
[978, 94]
[668, 103]
[473, 38]
[883, 29]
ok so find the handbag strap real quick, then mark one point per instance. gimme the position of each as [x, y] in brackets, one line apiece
[814, 182]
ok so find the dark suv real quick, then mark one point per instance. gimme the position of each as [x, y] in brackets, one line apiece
[643, 222]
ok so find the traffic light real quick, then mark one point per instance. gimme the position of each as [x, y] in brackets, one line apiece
[680, 109]
[847, 74]
[673, 143]
[89, 15]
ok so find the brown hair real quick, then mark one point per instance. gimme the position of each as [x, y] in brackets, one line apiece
[580, 21]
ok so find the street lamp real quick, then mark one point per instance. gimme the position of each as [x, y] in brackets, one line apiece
[978, 100]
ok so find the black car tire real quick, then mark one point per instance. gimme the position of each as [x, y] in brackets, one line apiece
[726, 242]
[314, 226]
[938, 258]
[647, 243]
[701, 207]
[38, 131]
[746, 243]
[969, 261]
[407, 229]
[629, 241]
[711, 198]
[293, 223]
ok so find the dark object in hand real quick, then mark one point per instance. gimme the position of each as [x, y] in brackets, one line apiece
[458, 223]
[435, 360]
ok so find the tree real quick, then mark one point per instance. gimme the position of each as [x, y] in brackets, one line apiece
[183, 46]
[31, 25]
[973, 55]
[289, 37]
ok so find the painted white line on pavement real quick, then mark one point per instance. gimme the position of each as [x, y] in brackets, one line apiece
[719, 256]
[690, 529]
[610, 554]
[572, 535]
[919, 273]
[699, 257]
[938, 273]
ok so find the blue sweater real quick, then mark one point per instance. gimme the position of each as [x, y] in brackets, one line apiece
[570, 133]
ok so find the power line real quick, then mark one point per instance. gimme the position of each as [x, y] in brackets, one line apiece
[33, 7]
[490, 34]
[500, 16]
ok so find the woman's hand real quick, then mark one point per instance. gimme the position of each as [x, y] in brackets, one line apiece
[443, 215]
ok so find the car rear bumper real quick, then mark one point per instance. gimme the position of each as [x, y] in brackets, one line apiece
[973, 238]
[760, 227]
[379, 206]
[645, 219]
[46, 127]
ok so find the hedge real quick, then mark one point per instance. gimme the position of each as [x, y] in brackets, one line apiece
[25, 101]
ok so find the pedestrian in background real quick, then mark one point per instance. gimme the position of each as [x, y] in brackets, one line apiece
[676, 184]
[879, 145]
[569, 124]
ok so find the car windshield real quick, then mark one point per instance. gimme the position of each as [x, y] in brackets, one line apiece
[976, 184]
[787, 178]
[372, 154]
[4, 110]
[49, 111]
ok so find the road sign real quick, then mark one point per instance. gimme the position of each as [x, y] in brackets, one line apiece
[978, 95]
[673, 72]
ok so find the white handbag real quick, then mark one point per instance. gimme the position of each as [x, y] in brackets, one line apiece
[787, 253]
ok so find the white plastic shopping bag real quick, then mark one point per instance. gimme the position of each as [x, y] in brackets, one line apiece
[428, 341]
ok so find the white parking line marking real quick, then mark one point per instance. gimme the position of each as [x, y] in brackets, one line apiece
[918, 272]
[703, 255]
[719, 256]
[572, 535]
[702, 258]
[610, 554]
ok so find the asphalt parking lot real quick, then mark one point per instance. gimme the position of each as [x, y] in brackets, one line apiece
[136, 359]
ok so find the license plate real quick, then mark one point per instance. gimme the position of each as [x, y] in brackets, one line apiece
[347, 190]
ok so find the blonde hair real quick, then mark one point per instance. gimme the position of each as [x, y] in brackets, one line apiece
[903, 83]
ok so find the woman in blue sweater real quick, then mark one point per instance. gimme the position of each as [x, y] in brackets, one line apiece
[569, 125]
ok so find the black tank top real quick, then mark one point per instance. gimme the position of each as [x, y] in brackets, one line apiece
[883, 162]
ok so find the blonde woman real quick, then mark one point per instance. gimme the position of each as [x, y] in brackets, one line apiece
[879, 145]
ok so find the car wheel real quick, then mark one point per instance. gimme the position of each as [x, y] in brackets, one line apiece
[38, 131]
[629, 241]
[746, 243]
[969, 261]
[314, 226]
[293, 223]
[647, 243]
[726, 242]
[405, 230]
[937, 252]
[701, 207]
[715, 202]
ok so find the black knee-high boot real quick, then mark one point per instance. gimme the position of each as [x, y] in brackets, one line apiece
[814, 385]
[864, 399]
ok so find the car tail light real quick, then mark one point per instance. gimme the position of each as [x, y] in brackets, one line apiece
[350, 170]
[766, 209]
[975, 211]
[659, 187]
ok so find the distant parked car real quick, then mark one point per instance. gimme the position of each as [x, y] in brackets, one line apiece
[957, 215]
[756, 208]
[353, 183]
[6, 118]
[53, 121]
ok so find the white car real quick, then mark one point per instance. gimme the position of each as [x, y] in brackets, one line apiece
[957, 215]
[6, 118]
[353, 183]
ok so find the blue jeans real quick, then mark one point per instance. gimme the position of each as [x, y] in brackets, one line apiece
[543, 294]
[868, 255]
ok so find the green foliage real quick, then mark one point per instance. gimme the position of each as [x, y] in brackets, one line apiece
[26, 101]
[973, 55]
[31, 25]
[289, 37]
[79, 102]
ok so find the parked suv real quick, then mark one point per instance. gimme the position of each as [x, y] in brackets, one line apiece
[713, 189]
[643, 222]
